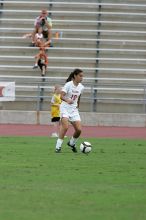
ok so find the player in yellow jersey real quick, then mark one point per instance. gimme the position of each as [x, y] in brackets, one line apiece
[55, 110]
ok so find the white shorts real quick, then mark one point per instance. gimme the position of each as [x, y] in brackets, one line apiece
[72, 114]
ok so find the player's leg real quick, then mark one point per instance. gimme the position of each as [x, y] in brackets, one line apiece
[55, 122]
[76, 123]
[64, 123]
[77, 127]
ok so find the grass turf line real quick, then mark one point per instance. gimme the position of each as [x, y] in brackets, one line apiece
[36, 183]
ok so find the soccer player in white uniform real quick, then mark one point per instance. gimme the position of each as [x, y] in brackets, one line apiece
[70, 96]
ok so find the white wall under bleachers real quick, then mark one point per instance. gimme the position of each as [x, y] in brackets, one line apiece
[88, 119]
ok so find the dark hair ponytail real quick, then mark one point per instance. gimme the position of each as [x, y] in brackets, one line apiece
[75, 72]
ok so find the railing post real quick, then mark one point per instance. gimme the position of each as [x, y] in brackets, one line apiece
[50, 7]
[38, 106]
[1, 7]
[97, 56]
[144, 100]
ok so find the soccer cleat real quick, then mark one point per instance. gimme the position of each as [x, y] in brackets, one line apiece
[58, 150]
[54, 135]
[35, 66]
[73, 147]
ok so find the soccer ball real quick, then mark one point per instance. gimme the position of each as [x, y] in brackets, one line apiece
[85, 147]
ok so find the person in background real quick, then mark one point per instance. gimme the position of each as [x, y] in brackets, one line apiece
[70, 96]
[41, 60]
[55, 110]
[45, 23]
[38, 39]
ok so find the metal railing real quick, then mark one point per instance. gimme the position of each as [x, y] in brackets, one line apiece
[88, 97]
[75, 3]
[62, 21]
[140, 70]
[75, 12]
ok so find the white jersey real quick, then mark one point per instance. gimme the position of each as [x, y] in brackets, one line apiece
[72, 92]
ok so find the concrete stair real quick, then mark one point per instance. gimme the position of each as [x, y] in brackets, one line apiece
[120, 41]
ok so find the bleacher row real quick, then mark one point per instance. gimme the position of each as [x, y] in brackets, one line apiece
[107, 39]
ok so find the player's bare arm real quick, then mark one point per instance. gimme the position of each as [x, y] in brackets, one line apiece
[63, 98]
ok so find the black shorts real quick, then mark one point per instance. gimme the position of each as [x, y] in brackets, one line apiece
[45, 34]
[40, 64]
[55, 119]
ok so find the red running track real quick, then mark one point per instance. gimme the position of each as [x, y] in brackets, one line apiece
[87, 131]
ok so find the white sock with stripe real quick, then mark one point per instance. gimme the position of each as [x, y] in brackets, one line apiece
[59, 143]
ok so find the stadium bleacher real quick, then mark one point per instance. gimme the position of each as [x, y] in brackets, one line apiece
[105, 39]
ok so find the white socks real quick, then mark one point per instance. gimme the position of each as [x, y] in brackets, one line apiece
[73, 141]
[59, 143]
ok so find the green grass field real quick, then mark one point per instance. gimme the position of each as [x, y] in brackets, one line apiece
[38, 184]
